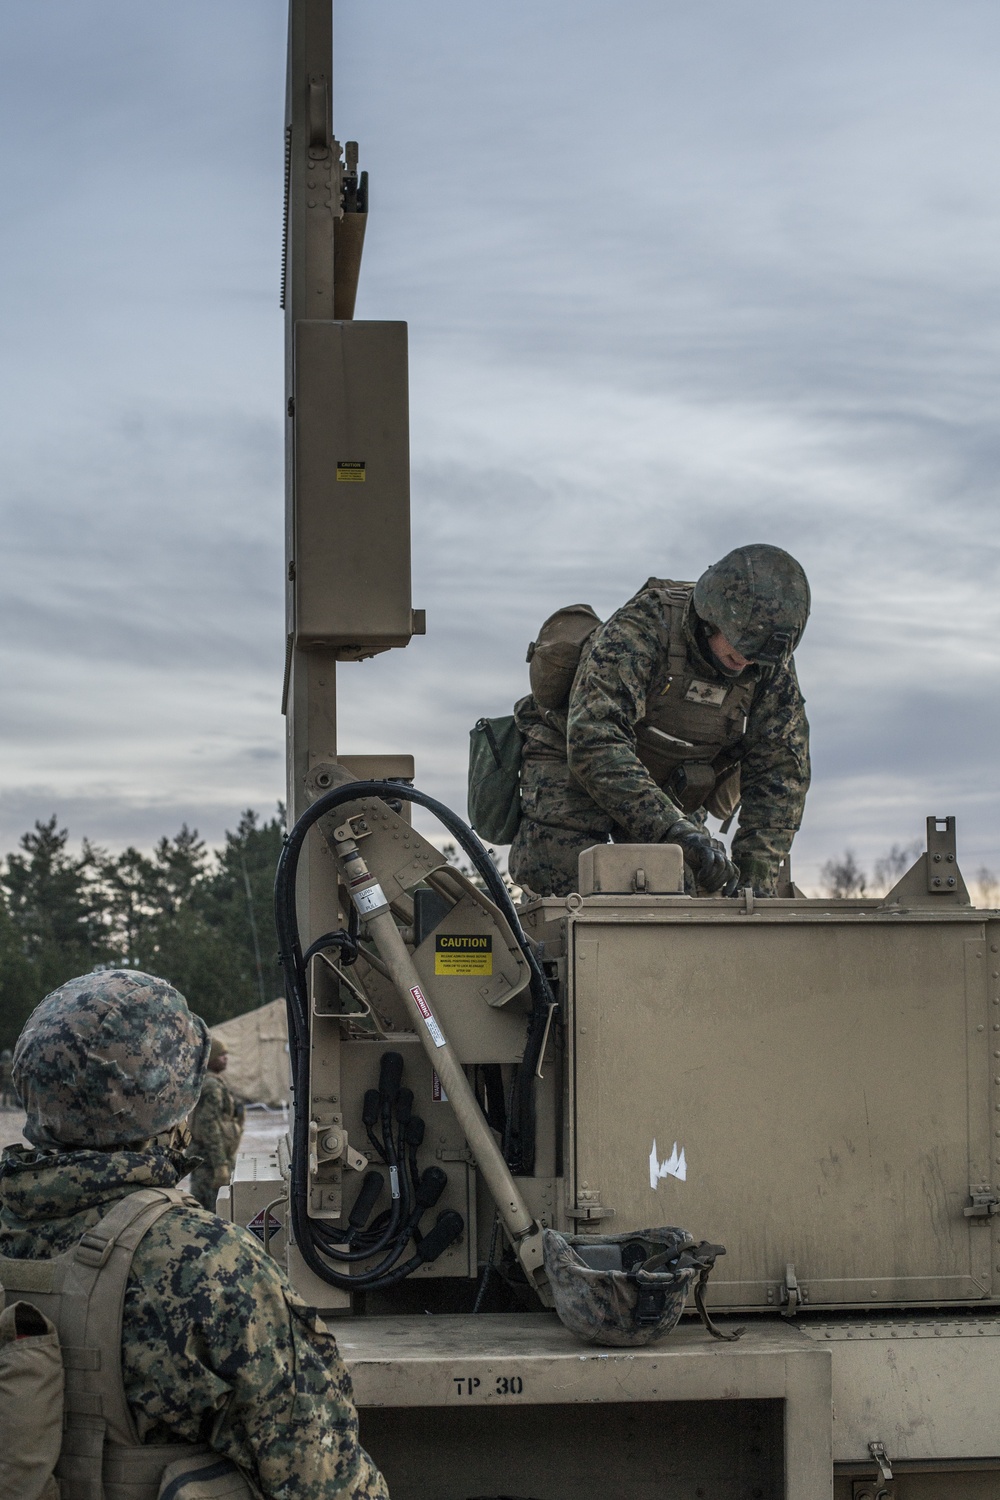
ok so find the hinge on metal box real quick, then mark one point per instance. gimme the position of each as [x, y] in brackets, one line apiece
[588, 1206]
[792, 1295]
[983, 1205]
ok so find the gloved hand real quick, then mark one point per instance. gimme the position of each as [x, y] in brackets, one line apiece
[705, 857]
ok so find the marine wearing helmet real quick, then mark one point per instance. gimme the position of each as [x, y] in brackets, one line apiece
[219, 1358]
[684, 703]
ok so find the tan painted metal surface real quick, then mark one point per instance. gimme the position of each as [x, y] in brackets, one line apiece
[826, 1078]
[926, 1387]
[510, 1361]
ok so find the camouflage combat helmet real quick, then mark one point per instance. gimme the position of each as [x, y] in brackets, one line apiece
[627, 1289]
[109, 1059]
[758, 596]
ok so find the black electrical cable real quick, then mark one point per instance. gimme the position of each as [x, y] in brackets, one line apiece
[307, 1231]
[340, 939]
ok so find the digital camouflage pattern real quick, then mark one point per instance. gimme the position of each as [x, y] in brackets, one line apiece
[582, 781]
[109, 1059]
[216, 1347]
[754, 595]
[599, 1306]
[215, 1138]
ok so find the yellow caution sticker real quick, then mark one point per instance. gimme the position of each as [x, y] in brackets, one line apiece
[463, 953]
[350, 471]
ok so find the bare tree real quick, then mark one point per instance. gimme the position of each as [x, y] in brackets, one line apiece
[987, 887]
[891, 866]
[843, 876]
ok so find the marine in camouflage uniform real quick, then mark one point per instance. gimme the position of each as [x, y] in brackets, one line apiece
[215, 1132]
[659, 731]
[216, 1347]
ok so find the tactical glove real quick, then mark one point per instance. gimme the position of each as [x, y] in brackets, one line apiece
[705, 857]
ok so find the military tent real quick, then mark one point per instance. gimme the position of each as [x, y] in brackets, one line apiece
[257, 1044]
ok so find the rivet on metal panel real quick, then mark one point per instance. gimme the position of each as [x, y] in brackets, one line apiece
[994, 948]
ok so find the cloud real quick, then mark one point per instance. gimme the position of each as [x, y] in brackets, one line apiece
[675, 279]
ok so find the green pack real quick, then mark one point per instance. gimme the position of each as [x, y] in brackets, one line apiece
[495, 779]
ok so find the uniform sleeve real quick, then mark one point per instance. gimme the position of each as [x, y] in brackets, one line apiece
[217, 1348]
[608, 700]
[209, 1126]
[774, 779]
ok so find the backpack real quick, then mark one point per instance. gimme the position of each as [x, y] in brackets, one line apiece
[496, 744]
[495, 779]
[66, 1432]
[554, 657]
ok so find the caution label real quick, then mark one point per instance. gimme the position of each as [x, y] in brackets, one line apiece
[463, 953]
[350, 471]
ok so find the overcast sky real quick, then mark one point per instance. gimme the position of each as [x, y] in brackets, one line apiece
[677, 277]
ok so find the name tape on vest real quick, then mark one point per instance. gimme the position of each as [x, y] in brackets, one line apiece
[706, 692]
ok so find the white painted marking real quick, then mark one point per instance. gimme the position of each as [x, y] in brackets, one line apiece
[674, 1165]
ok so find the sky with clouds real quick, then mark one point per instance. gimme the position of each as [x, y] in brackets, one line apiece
[677, 277]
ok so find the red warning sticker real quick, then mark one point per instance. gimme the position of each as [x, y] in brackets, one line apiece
[437, 1035]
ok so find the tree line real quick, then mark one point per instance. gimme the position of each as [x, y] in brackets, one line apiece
[846, 876]
[201, 918]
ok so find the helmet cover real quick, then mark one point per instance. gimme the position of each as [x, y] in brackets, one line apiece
[109, 1059]
[758, 596]
[603, 1295]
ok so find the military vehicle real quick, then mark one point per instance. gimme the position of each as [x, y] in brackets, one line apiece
[814, 1084]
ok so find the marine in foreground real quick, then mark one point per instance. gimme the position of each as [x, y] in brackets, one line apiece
[213, 1367]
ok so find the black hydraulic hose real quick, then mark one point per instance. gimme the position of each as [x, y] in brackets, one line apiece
[339, 939]
[305, 1229]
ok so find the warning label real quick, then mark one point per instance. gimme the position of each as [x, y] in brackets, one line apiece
[437, 1035]
[461, 953]
[256, 1224]
[350, 471]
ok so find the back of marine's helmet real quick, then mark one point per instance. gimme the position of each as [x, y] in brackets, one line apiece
[109, 1059]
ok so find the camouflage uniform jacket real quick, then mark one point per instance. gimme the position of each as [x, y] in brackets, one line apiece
[215, 1130]
[216, 1347]
[623, 671]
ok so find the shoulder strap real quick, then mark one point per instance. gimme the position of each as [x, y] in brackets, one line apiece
[677, 597]
[94, 1299]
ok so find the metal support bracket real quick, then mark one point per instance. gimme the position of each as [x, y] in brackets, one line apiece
[942, 864]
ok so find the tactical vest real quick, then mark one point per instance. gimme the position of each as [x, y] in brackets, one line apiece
[690, 738]
[82, 1292]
